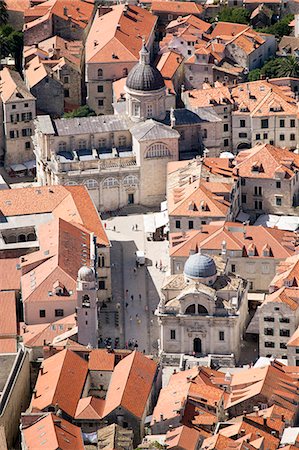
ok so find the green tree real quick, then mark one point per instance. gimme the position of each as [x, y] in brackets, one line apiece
[3, 12]
[234, 15]
[11, 43]
[289, 67]
[254, 75]
[82, 111]
[281, 28]
[271, 68]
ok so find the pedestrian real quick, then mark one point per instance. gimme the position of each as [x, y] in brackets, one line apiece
[132, 227]
[146, 308]
[130, 343]
[132, 297]
[114, 228]
[140, 297]
[131, 318]
[136, 316]
[138, 321]
[136, 345]
[156, 264]
[105, 225]
[127, 304]
[135, 270]
[143, 351]
[127, 293]
[153, 312]
[161, 264]
[126, 345]
[136, 226]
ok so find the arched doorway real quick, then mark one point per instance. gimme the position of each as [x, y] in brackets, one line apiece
[197, 345]
[243, 146]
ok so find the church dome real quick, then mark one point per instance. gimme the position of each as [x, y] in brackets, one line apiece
[144, 76]
[86, 274]
[200, 266]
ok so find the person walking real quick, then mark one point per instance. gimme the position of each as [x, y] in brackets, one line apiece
[140, 297]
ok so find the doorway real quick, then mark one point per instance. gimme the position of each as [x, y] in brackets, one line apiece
[130, 199]
[197, 345]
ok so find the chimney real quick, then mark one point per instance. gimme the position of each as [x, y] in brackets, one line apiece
[242, 432]
[161, 417]
[65, 11]
[41, 370]
[207, 179]
[34, 393]
[265, 421]
[282, 418]
[57, 422]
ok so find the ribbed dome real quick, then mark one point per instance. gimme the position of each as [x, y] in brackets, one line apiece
[144, 76]
[86, 274]
[200, 266]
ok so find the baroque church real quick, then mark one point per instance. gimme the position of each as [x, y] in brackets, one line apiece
[121, 158]
[203, 310]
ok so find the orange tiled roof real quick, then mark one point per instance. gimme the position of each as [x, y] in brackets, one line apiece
[288, 296]
[189, 20]
[90, 408]
[10, 278]
[208, 96]
[101, 359]
[79, 12]
[8, 345]
[247, 40]
[60, 382]
[227, 29]
[287, 273]
[196, 200]
[266, 161]
[169, 63]
[37, 335]
[117, 35]
[131, 384]
[182, 438]
[238, 238]
[71, 203]
[52, 432]
[17, 5]
[182, 8]
[12, 86]
[70, 50]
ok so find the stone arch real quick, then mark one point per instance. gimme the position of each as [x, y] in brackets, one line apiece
[202, 310]
[110, 182]
[243, 146]
[191, 309]
[31, 237]
[158, 150]
[91, 183]
[130, 180]
[22, 237]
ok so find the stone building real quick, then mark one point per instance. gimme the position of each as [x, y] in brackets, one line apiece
[204, 310]
[17, 112]
[250, 251]
[116, 156]
[112, 50]
[87, 310]
[269, 180]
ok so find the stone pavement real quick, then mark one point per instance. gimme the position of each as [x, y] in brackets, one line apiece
[136, 291]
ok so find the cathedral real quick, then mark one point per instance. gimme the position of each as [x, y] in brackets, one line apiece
[121, 158]
[204, 310]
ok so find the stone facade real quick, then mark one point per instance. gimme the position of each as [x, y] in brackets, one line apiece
[49, 95]
[203, 314]
[17, 113]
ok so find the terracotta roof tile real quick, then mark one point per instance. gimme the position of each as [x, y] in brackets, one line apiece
[8, 315]
[183, 438]
[117, 35]
[227, 29]
[131, 384]
[37, 335]
[169, 64]
[189, 20]
[12, 86]
[10, 278]
[102, 360]
[51, 432]
[182, 8]
[60, 382]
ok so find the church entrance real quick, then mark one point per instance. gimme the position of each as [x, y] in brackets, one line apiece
[197, 345]
[130, 199]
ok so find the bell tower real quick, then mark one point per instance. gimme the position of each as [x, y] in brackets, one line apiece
[87, 312]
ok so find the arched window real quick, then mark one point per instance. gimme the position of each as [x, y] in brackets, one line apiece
[190, 309]
[125, 72]
[21, 238]
[91, 184]
[202, 310]
[158, 150]
[62, 146]
[100, 73]
[130, 180]
[82, 144]
[149, 110]
[122, 141]
[85, 301]
[31, 237]
[71, 183]
[11, 239]
[136, 109]
[110, 182]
